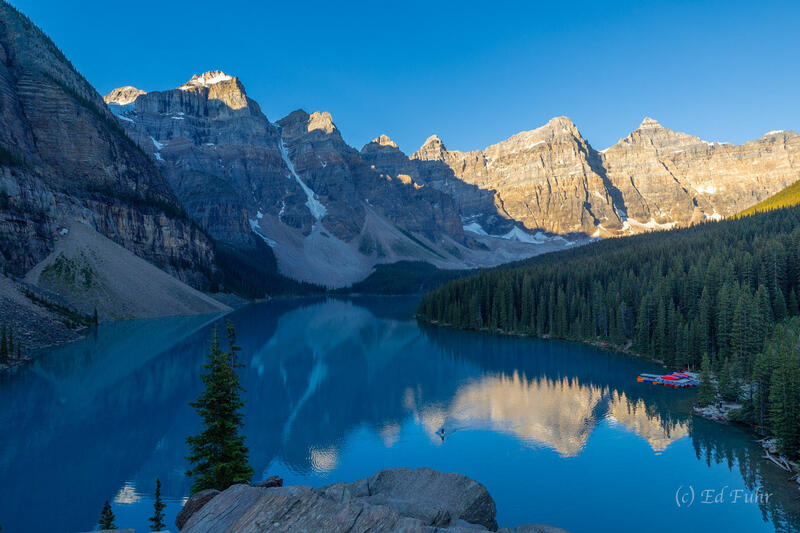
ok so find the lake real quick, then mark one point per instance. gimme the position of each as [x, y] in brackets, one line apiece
[560, 433]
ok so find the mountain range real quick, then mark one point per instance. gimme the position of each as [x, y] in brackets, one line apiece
[198, 183]
[330, 212]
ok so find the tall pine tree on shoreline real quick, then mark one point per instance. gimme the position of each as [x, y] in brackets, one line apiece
[218, 455]
[157, 520]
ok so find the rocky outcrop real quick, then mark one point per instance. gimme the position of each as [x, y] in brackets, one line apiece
[395, 500]
[550, 178]
[64, 157]
[123, 95]
[34, 325]
[547, 179]
[194, 504]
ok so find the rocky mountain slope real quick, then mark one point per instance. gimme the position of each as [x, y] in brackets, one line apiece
[96, 275]
[65, 158]
[551, 179]
[784, 198]
[326, 211]
[65, 163]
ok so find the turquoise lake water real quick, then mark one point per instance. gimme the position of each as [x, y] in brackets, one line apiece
[560, 433]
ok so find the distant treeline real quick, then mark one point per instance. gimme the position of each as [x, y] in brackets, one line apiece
[714, 290]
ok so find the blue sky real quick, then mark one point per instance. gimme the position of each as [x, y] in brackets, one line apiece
[473, 73]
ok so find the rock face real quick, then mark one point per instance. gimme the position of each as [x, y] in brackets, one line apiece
[348, 186]
[123, 95]
[547, 179]
[396, 500]
[194, 504]
[63, 157]
[672, 178]
[328, 212]
[218, 151]
[550, 178]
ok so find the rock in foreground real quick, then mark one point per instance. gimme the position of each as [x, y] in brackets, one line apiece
[395, 500]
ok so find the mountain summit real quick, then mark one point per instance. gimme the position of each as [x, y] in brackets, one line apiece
[123, 95]
[206, 79]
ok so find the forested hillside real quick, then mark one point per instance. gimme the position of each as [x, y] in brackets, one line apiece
[714, 290]
[786, 198]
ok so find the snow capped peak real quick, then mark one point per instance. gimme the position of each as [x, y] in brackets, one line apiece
[773, 132]
[204, 80]
[123, 95]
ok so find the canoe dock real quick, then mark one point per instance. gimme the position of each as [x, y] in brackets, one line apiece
[678, 380]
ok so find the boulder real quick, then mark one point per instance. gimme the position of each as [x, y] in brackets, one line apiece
[271, 481]
[396, 500]
[433, 497]
[194, 504]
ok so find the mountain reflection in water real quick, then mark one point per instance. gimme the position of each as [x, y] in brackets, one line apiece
[337, 389]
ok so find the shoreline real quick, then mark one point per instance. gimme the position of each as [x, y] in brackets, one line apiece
[768, 444]
[230, 299]
[709, 413]
[603, 345]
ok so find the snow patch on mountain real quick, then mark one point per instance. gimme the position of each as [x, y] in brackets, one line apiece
[650, 225]
[206, 79]
[706, 189]
[314, 205]
[474, 227]
[256, 228]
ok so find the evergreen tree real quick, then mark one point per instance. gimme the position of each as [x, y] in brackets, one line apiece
[157, 520]
[706, 394]
[219, 454]
[785, 398]
[728, 382]
[709, 295]
[4, 352]
[107, 517]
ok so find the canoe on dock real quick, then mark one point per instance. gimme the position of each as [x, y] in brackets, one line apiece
[678, 380]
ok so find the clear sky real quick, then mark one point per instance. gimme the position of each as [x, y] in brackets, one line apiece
[473, 73]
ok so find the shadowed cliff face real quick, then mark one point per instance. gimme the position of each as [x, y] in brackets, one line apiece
[350, 184]
[68, 159]
[328, 212]
[218, 151]
[230, 166]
